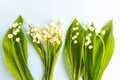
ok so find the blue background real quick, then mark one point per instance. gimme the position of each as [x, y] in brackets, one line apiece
[42, 11]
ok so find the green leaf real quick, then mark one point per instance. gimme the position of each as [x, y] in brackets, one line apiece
[53, 56]
[98, 54]
[108, 39]
[24, 48]
[88, 56]
[15, 54]
[9, 59]
[40, 49]
[73, 52]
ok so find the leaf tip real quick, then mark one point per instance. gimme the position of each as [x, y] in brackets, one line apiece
[19, 19]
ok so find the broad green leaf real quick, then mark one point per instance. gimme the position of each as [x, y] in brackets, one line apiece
[9, 59]
[15, 54]
[108, 39]
[24, 48]
[73, 52]
[88, 55]
[98, 54]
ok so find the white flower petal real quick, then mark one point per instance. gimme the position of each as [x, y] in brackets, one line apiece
[74, 29]
[103, 32]
[86, 44]
[15, 25]
[38, 42]
[44, 31]
[87, 37]
[90, 34]
[55, 38]
[77, 23]
[15, 32]
[58, 42]
[34, 36]
[19, 27]
[91, 28]
[17, 39]
[10, 35]
[90, 47]
[77, 33]
[89, 41]
[77, 28]
[75, 41]
[73, 38]
[49, 35]
[34, 40]
[52, 32]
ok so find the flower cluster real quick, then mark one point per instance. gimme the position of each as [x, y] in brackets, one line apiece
[88, 41]
[16, 29]
[51, 33]
[75, 34]
[89, 35]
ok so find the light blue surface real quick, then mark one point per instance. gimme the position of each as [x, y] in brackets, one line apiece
[42, 11]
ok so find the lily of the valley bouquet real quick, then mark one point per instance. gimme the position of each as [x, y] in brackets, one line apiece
[88, 50]
[47, 41]
[15, 51]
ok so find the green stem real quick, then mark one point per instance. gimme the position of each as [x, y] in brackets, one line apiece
[86, 75]
[48, 74]
[71, 60]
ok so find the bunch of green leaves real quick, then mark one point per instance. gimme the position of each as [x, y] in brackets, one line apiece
[15, 52]
[89, 61]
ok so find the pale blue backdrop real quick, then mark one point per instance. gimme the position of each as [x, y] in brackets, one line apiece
[42, 11]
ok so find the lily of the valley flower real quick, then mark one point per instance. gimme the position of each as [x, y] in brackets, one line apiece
[90, 47]
[51, 33]
[75, 34]
[16, 29]
[49, 40]
[17, 39]
[103, 32]
[88, 41]
[10, 36]
[88, 37]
